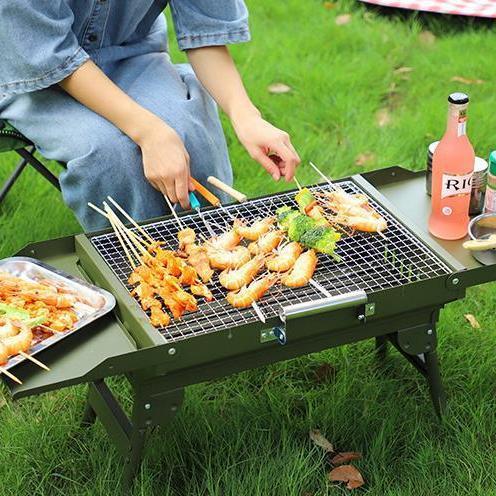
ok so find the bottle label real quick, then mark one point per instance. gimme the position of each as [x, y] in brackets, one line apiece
[454, 185]
[490, 205]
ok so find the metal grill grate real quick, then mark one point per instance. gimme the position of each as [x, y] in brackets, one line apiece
[369, 262]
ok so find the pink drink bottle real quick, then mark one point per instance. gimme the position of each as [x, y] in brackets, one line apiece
[452, 170]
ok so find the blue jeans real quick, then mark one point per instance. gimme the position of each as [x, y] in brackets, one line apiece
[101, 160]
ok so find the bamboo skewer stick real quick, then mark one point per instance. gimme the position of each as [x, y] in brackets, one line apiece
[130, 219]
[323, 176]
[11, 376]
[123, 244]
[34, 360]
[178, 220]
[297, 182]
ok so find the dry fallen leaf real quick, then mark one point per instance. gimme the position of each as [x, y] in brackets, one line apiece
[320, 441]
[364, 158]
[343, 19]
[460, 79]
[278, 88]
[383, 117]
[427, 38]
[329, 5]
[346, 457]
[348, 474]
[472, 321]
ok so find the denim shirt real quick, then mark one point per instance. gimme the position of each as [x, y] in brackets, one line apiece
[44, 41]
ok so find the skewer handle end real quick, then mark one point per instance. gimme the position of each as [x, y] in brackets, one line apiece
[237, 195]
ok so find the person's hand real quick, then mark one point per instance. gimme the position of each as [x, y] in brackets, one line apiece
[269, 146]
[166, 162]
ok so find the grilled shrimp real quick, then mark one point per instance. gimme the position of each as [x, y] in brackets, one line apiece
[340, 197]
[370, 223]
[4, 353]
[226, 259]
[186, 237]
[21, 341]
[226, 241]
[255, 230]
[7, 329]
[266, 243]
[237, 278]
[302, 270]
[199, 289]
[253, 292]
[285, 257]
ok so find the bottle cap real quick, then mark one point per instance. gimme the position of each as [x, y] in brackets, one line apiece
[458, 98]
[492, 163]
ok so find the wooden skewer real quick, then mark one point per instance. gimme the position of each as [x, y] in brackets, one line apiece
[11, 376]
[178, 220]
[34, 360]
[323, 176]
[297, 182]
[130, 219]
[123, 244]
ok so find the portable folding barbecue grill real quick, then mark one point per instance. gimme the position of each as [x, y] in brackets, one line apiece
[390, 289]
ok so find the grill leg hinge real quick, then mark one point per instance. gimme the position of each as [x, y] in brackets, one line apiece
[275, 334]
[417, 340]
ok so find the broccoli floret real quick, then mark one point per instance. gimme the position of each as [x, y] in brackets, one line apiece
[285, 215]
[304, 198]
[323, 239]
[299, 226]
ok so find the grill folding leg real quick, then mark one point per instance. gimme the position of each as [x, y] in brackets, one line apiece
[153, 405]
[418, 346]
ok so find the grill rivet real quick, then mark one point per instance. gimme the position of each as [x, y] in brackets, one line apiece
[429, 332]
[455, 281]
[428, 347]
[174, 408]
[147, 406]
[172, 351]
[361, 317]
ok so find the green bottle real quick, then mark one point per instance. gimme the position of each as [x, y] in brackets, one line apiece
[490, 202]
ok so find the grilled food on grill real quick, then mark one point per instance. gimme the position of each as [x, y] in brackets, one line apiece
[266, 243]
[315, 234]
[254, 231]
[354, 211]
[284, 258]
[222, 259]
[196, 254]
[251, 293]
[226, 241]
[302, 270]
[237, 278]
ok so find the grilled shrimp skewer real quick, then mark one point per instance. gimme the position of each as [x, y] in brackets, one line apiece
[266, 243]
[248, 295]
[302, 270]
[284, 258]
[226, 259]
[254, 231]
[226, 241]
[237, 278]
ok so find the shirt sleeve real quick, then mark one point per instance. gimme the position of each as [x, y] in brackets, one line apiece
[39, 48]
[201, 23]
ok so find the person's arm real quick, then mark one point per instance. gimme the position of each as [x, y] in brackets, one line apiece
[217, 72]
[165, 159]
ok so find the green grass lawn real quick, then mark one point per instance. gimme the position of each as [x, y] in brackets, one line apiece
[248, 435]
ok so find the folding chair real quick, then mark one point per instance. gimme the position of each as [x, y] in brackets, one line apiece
[12, 140]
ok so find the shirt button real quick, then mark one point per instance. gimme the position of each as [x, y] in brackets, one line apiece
[92, 37]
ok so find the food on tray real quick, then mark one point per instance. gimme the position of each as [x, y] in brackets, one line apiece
[222, 259]
[39, 300]
[315, 234]
[248, 295]
[266, 243]
[253, 231]
[353, 211]
[284, 258]
[242, 276]
[302, 270]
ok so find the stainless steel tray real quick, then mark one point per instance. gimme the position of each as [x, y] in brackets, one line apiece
[99, 302]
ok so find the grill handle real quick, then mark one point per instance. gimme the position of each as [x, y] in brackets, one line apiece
[347, 300]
